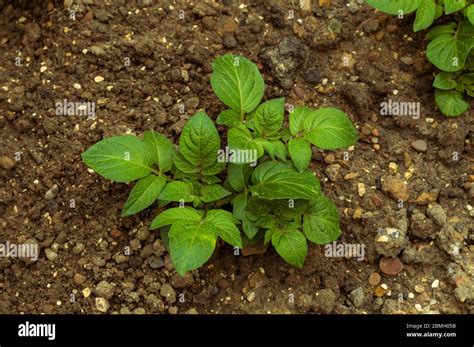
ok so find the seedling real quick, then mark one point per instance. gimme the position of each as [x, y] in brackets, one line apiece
[257, 190]
[450, 48]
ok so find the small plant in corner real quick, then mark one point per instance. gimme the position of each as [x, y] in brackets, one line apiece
[450, 48]
[256, 190]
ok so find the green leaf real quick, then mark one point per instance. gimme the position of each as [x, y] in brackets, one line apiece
[268, 236]
[175, 215]
[276, 149]
[211, 179]
[277, 180]
[161, 148]
[291, 245]
[238, 176]
[225, 225]
[177, 191]
[321, 221]
[449, 51]
[230, 118]
[470, 14]
[395, 6]
[447, 29]
[213, 192]
[191, 245]
[120, 158]
[439, 10]
[243, 148]
[425, 15]
[330, 128]
[214, 169]
[239, 204]
[451, 6]
[297, 117]
[467, 78]
[237, 82]
[183, 165]
[143, 194]
[200, 141]
[445, 81]
[300, 153]
[268, 117]
[450, 102]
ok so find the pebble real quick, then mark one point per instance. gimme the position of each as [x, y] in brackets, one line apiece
[419, 288]
[330, 158]
[407, 60]
[358, 296]
[361, 189]
[407, 161]
[396, 188]
[43, 69]
[437, 213]
[86, 292]
[105, 289]
[251, 297]
[52, 192]
[419, 145]
[79, 278]
[379, 291]
[77, 86]
[50, 254]
[7, 163]
[102, 304]
[98, 79]
[97, 50]
[324, 301]
[374, 278]
[168, 292]
[435, 284]
[332, 171]
[390, 266]
[358, 214]
[155, 262]
[366, 129]
[79, 248]
[392, 168]
[353, 7]
[411, 295]
[351, 176]
[178, 281]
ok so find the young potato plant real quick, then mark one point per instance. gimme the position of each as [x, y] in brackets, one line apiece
[450, 48]
[257, 190]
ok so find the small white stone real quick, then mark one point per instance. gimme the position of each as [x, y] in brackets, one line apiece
[98, 79]
[435, 284]
[411, 295]
[384, 286]
[429, 120]
[77, 86]
[418, 307]
[43, 69]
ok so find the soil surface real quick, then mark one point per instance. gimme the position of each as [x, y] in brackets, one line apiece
[405, 192]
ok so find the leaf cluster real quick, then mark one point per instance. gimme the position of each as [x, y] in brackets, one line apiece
[258, 188]
[450, 46]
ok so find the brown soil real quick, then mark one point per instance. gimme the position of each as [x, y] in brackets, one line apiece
[169, 66]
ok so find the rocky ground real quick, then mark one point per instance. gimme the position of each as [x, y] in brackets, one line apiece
[405, 191]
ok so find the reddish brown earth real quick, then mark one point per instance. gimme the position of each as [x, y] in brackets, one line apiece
[373, 58]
